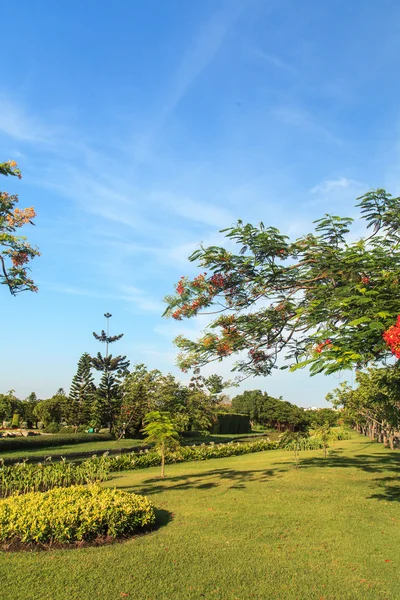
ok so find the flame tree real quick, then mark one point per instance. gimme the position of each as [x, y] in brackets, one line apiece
[323, 300]
[15, 251]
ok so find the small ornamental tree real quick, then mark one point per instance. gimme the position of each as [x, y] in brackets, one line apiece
[161, 431]
[15, 251]
[322, 300]
[323, 432]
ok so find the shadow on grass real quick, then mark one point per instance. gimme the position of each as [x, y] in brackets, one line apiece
[163, 517]
[366, 462]
[381, 463]
[202, 481]
[390, 489]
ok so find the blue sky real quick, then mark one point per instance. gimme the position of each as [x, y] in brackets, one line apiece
[142, 128]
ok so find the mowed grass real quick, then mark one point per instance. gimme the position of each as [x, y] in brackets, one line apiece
[103, 446]
[244, 527]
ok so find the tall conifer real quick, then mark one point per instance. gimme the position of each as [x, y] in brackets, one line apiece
[108, 396]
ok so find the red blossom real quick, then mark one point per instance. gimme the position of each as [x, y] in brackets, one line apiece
[392, 338]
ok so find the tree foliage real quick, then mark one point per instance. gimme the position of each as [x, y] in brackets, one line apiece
[161, 431]
[15, 251]
[323, 300]
[107, 404]
[373, 405]
[266, 410]
[82, 393]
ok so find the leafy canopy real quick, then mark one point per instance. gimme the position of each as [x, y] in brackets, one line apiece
[322, 300]
[15, 251]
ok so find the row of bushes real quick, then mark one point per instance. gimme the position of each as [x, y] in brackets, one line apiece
[44, 441]
[23, 477]
[76, 514]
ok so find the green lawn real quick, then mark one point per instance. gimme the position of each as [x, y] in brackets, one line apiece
[239, 528]
[102, 446]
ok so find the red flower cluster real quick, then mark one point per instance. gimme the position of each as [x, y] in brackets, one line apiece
[322, 345]
[365, 280]
[199, 280]
[257, 355]
[19, 259]
[223, 349]
[392, 338]
[180, 288]
[218, 280]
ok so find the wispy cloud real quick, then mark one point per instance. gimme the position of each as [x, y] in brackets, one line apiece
[202, 212]
[16, 124]
[328, 186]
[303, 120]
[129, 294]
[272, 59]
[199, 55]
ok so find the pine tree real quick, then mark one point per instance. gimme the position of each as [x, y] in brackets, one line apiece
[108, 396]
[82, 393]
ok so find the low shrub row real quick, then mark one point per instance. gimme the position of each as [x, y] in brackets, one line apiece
[23, 477]
[302, 443]
[126, 462]
[47, 441]
[79, 513]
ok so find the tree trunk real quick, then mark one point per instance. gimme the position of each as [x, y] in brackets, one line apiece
[385, 438]
[162, 461]
[391, 440]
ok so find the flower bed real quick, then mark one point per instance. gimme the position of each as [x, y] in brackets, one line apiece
[74, 514]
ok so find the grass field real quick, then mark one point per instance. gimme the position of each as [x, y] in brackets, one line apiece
[102, 446]
[238, 528]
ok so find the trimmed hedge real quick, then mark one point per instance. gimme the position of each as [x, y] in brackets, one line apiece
[232, 423]
[47, 441]
[74, 514]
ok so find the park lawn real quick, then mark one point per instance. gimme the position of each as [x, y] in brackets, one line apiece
[65, 449]
[244, 527]
[103, 446]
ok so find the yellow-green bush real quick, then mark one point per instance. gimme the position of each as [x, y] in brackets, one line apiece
[72, 514]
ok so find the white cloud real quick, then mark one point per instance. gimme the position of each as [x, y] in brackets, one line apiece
[193, 210]
[138, 298]
[329, 185]
[295, 116]
[15, 123]
[272, 59]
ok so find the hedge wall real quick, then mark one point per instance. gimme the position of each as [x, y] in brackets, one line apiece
[46, 441]
[232, 423]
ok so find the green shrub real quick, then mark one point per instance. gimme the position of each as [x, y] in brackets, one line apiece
[79, 513]
[340, 433]
[24, 477]
[289, 442]
[24, 425]
[52, 428]
[15, 421]
[46, 441]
